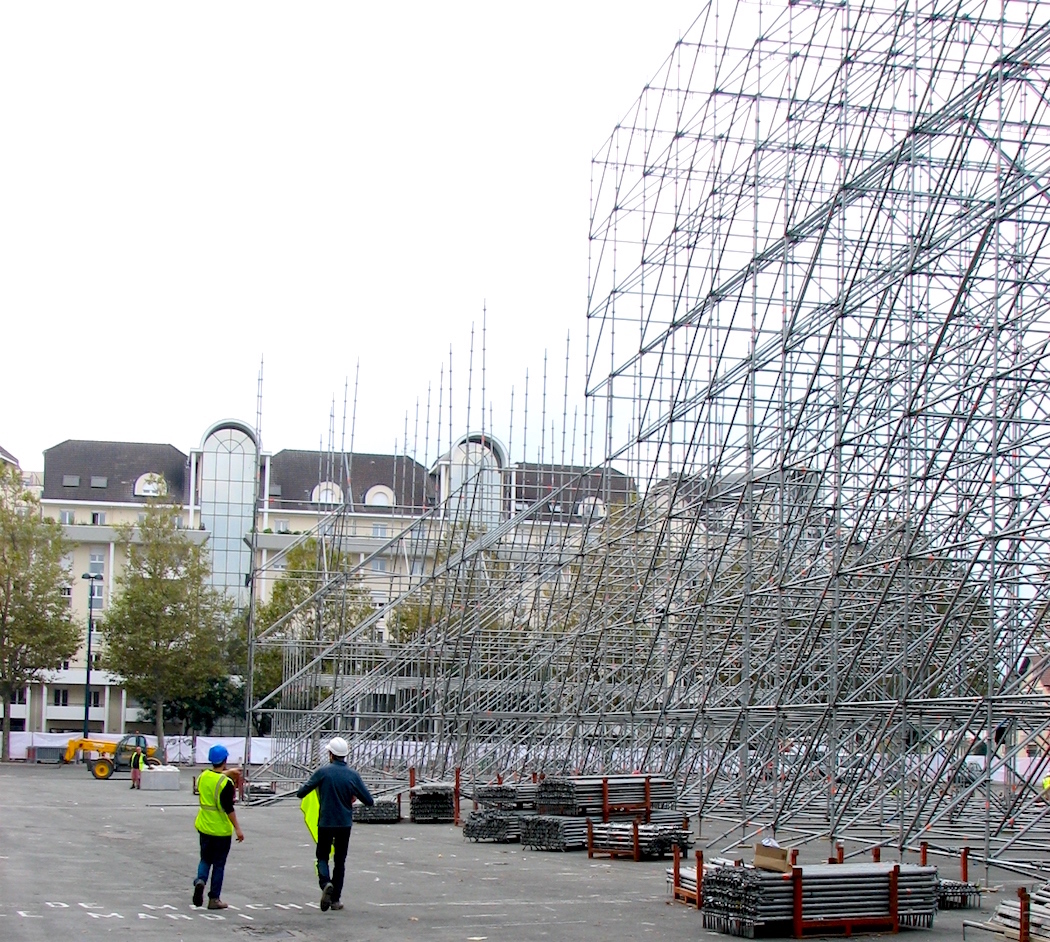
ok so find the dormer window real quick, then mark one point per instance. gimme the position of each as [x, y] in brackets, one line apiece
[591, 508]
[327, 492]
[379, 495]
[150, 484]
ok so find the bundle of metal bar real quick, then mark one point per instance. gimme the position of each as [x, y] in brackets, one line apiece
[578, 794]
[493, 825]
[954, 894]
[686, 878]
[654, 840]
[738, 899]
[553, 832]
[497, 796]
[669, 816]
[1041, 896]
[526, 794]
[433, 803]
[1008, 915]
[384, 811]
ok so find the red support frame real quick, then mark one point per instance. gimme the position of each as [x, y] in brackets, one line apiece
[680, 893]
[645, 806]
[800, 925]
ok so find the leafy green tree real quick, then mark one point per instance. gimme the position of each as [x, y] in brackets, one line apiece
[304, 624]
[165, 629]
[36, 632]
[222, 696]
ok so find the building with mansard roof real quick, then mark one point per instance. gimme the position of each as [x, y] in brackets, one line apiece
[96, 488]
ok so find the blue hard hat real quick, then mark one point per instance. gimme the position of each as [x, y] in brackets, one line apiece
[217, 754]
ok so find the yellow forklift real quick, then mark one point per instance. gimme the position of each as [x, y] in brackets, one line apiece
[112, 756]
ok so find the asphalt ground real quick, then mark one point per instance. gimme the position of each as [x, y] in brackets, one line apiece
[84, 860]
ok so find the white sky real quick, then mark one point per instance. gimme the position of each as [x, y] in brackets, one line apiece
[185, 188]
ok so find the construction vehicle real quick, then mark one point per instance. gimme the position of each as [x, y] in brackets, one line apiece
[111, 756]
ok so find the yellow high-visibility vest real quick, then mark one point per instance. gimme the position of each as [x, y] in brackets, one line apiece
[211, 819]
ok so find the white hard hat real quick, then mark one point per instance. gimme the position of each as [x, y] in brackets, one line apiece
[339, 747]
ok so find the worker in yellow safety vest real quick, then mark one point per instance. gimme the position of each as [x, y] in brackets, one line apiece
[216, 825]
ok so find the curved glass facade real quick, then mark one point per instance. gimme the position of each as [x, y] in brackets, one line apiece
[227, 493]
[476, 498]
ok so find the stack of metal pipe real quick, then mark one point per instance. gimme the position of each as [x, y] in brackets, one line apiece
[490, 824]
[668, 816]
[527, 794]
[686, 877]
[384, 811]
[433, 803]
[1007, 920]
[654, 840]
[583, 794]
[497, 796]
[553, 832]
[737, 900]
[1007, 917]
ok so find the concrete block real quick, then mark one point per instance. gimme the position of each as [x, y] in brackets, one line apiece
[162, 778]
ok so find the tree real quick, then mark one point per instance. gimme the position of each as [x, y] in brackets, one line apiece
[222, 696]
[164, 631]
[36, 631]
[305, 624]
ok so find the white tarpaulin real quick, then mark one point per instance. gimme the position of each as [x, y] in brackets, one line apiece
[20, 742]
[261, 749]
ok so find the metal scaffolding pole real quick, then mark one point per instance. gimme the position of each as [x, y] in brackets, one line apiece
[805, 551]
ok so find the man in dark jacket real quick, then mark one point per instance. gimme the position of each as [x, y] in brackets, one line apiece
[337, 786]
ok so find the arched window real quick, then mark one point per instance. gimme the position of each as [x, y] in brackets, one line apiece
[591, 508]
[151, 484]
[327, 492]
[379, 495]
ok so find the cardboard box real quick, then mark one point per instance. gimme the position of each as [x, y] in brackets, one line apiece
[772, 858]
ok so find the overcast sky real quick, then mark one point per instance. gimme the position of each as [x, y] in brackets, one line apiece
[187, 188]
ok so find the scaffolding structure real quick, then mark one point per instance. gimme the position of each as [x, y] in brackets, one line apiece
[800, 565]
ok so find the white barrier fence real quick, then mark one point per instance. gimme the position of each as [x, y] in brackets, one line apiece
[179, 750]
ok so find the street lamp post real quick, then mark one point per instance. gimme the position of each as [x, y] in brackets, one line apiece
[92, 578]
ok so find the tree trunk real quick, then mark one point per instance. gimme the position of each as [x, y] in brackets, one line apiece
[5, 739]
[159, 704]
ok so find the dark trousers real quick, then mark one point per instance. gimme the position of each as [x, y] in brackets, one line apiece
[214, 851]
[327, 838]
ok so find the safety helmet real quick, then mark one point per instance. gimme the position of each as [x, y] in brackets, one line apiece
[217, 755]
[339, 747]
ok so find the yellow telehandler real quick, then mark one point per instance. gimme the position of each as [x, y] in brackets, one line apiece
[112, 756]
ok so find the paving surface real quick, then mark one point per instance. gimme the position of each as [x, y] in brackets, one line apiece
[84, 860]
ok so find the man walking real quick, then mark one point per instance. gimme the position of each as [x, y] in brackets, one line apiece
[216, 824]
[337, 786]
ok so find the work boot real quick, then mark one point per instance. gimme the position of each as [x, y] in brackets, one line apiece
[217, 904]
[336, 904]
[326, 897]
[198, 892]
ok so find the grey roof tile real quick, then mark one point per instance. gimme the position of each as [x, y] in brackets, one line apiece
[296, 473]
[119, 463]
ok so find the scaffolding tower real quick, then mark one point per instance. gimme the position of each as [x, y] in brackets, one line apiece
[801, 562]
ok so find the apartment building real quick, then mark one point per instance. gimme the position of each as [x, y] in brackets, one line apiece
[93, 488]
[97, 488]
